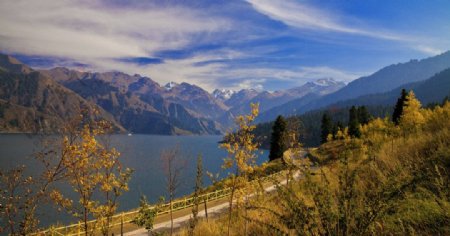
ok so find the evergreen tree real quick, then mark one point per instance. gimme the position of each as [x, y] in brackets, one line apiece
[327, 127]
[353, 123]
[446, 99]
[363, 115]
[278, 141]
[336, 127]
[398, 110]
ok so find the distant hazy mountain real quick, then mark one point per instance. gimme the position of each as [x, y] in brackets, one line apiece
[319, 87]
[432, 90]
[31, 102]
[240, 102]
[381, 81]
[138, 103]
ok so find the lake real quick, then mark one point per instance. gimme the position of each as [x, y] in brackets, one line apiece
[139, 152]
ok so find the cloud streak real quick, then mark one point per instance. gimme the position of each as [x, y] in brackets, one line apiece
[303, 16]
[307, 17]
[220, 74]
[83, 29]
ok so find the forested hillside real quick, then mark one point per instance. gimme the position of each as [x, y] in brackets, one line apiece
[391, 180]
[431, 91]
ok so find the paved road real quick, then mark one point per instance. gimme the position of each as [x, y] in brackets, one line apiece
[179, 221]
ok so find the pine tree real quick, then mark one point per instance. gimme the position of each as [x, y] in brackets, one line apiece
[353, 123]
[398, 110]
[446, 99]
[277, 142]
[327, 127]
[363, 115]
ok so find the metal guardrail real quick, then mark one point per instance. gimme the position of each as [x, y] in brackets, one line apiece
[128, 217]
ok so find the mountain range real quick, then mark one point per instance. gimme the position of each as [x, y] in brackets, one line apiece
[34, 100]
[386, 79]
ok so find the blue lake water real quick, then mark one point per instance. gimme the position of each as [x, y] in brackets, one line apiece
[139, 152]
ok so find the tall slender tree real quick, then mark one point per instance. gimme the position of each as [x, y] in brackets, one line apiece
[326, 127]
[197, 189]
[412, 116]
[242, 152]
[363, 115]
[398, 110]
[173, 164]
[278, 143]
[353, 123]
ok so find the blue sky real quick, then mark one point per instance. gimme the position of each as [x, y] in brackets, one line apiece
[268, 45]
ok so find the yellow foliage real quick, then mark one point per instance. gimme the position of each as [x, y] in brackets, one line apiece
[91, 167]
[412, 115]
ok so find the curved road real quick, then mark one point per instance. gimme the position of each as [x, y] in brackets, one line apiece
[217, 209]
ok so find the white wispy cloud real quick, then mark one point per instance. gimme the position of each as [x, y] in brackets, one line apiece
[295, 76]
[303, 16]
[89, 29]
[428, 50]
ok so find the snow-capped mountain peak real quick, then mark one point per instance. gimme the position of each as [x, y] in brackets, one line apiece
[326, 82]
[170, 85]
[223, 94]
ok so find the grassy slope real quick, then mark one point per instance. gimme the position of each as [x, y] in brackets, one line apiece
[391, 181]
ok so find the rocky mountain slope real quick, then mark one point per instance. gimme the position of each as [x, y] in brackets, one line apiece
[32, 102]
[138, 103]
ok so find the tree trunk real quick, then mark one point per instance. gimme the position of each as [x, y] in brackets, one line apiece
[85, 223]
[231, 205]
[171, 216]
[206, 209]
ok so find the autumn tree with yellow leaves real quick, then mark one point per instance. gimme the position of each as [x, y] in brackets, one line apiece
[77, 157]
[242, 154]
[412, 115]
[17, 202]
[96, 176]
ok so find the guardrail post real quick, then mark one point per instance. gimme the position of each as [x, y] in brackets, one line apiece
[79, 228]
